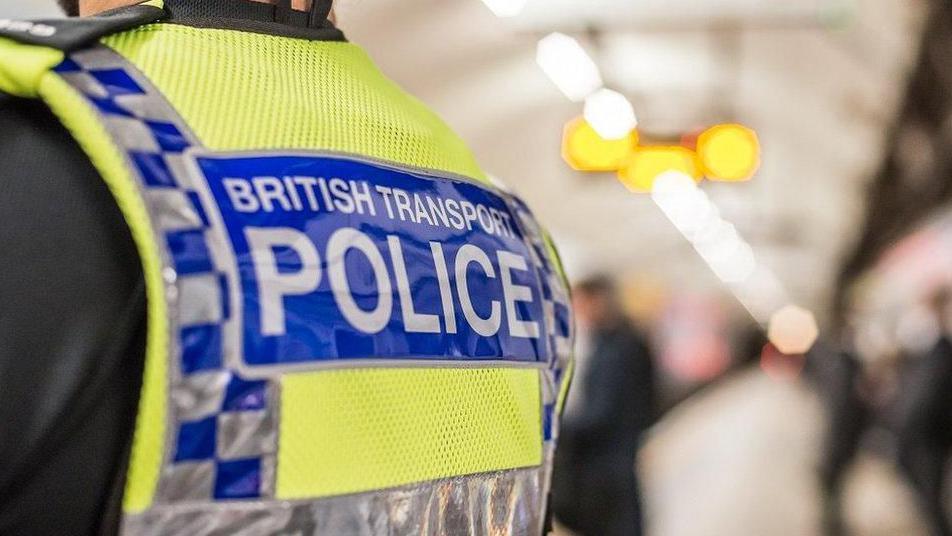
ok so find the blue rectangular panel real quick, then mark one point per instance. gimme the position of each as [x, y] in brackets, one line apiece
[345, 259]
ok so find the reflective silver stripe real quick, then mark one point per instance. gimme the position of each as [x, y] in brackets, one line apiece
[136, 137]
[86, 84]
[505, 503]
[199, 300]
[173, 210]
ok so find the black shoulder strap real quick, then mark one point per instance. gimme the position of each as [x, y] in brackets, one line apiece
[320, 10]
[70, 34]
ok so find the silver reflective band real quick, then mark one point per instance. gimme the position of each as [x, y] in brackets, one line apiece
[509, 502]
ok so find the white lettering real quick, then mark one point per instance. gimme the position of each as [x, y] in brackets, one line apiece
[513, 293]
[469, 213]
[413, 322]
[241, 196]
[446, 293]
[308, 184]
[467, 254]
[421, 213]
[328, 204]
[270, 189]
[485, 220]
[403, 205]
[386, 192]
[293, 193]
[438, 210]
[340, 243]
[273, 285]
[362, 197]
[456, 219]
[342, 199]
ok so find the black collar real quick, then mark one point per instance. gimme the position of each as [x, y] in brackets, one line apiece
[258, 17]
[75, 33]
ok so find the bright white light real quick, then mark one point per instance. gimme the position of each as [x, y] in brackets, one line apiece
[793, 330]
[672, 182]
[762, 294]
[506, 8]
[682, 201]
[610, 114]
[717, 242]
[734, 263]
[569, 67]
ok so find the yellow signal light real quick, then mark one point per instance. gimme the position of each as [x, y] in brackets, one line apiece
[729, 152]
[638, 173]
[584, 150]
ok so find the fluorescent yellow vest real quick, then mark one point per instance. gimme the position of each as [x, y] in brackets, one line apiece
[290, 384]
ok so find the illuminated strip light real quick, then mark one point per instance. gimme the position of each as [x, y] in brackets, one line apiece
[569, 67]
[730, 257]
[717, 241]
[610, 113]
[791, 329]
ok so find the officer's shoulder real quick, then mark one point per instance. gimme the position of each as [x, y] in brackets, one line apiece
[69, 34]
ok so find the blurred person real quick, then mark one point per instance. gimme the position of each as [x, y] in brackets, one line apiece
[838, 377]
[924, 420]
[252, 287]
[610, 405]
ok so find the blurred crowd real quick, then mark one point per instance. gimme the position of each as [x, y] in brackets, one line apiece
[897, 407]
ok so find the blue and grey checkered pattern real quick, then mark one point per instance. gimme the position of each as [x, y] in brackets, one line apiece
[559, 325]
[224, 429]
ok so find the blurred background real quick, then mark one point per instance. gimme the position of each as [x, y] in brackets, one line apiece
[790, 313]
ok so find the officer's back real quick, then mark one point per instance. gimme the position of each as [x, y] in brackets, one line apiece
[250, 286]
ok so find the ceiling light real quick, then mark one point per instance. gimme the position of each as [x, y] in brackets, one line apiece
[729, 152]
[649, 162]
[569, 67]
[584, 150]
[793, 330]
[610, 114]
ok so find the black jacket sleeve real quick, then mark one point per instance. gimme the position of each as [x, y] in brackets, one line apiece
[619, 391]
[72, 323]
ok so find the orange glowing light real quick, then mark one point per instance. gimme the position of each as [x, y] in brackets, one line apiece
[793, 330]
[584, 150]
[639, 171]
[729, 152]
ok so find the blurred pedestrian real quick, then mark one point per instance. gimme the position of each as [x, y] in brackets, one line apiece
[837, 376]
[924, 421]
[611, 403]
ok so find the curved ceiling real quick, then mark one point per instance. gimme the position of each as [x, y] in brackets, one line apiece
[819, 80]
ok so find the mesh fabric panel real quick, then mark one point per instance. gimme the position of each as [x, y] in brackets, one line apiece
[240, 90]
[355, 430]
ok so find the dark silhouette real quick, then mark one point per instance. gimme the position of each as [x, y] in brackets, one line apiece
[924, 422]
[837, 376]
[595, 487]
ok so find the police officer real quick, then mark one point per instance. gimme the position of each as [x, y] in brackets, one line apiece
[251, 287]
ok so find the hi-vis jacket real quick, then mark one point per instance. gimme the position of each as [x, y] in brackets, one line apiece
[351, 330]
